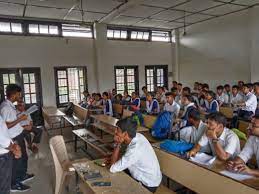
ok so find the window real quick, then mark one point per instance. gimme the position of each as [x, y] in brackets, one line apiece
[126, 79]
[160, 36]
[28, 79]
[76, 30]
[11, 27]
[139, 35]
[43, 29]
[117, 34]
[156, 75]
[70, 84]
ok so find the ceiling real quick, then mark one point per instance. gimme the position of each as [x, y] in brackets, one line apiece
[164, 14]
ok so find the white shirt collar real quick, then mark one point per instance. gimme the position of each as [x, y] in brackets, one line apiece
[223, 134]
[10, 103]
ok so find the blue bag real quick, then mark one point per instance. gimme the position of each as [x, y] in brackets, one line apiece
[179, 147]
[162, 126]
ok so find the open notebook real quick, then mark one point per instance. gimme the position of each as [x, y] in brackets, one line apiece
[203, 159]
[237, 176]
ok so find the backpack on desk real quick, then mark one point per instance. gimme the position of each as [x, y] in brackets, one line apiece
[179, 147]
[162, 126]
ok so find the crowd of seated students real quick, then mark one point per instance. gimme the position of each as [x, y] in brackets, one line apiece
[15, 141]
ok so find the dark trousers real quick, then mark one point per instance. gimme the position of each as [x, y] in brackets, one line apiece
[37, 135]
[6, 161]
[20, 165]
[151, 189]
[242, 114]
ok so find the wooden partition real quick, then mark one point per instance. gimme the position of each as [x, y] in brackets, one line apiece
[227, 111]
[80, 112]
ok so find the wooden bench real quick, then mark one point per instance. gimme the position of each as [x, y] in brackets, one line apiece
[80, 112]
[117, 110]
[227, 111]
[126, 113]
[243, 125]
[164, 190]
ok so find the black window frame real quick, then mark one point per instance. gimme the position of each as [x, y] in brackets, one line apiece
[136, 76]
[155, 68]
[64, 68]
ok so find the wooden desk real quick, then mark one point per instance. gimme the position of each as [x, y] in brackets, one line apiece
[200, 179]
[121, 183]
[53, 117]
[106, 119]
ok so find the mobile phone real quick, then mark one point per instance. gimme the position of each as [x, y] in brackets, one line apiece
[101, 184]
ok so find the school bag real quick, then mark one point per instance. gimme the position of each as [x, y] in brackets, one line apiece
[179, 147]
[162, 126]
[138, 117]
[240, 134]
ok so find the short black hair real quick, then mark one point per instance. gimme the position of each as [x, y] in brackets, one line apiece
[187, 89]
[169, 94]
[189, 97]
[235, 86]
[175, 82]
[105, 94]
[246, 85]
[128, 125]
[12, 89]
[179, 84]
[226, 85]
[144, 87]
[220, 87]
[218, 118]
[250, 85]
[256, 84]
[205, 86]
[98, 94]
[212, 94]
[194, 114]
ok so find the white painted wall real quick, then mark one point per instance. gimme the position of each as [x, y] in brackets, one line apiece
[254, 57]
[46, 53]
[216, 51]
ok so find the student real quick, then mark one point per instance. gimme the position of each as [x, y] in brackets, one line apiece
[202, 98]
[135, 101]
[196, 87]
[97, 100]
[227, 90]
[9, 114]
[152, 105]
[235, 96]
[145, 92]
[251, 148]
[174, 91]
[8, 149]
[174, 84]
[256, 92]
[160, 96]
[107, 104]
[249, 105]
[222, 97]
[37, 132]
[187, 91]
[188, 104]
[222, 142]
[251, 87]
[179, 88]
[194, 132]
[126, 99]
[212, 105]
[139, 159]
[86, 98]
[171, 105]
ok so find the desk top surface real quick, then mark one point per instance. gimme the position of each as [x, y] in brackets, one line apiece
[216, 167]
[52, 111]
[121, 183]
[106, 119]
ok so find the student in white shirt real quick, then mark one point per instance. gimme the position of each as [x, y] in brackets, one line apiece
[107, 104]
[222, 97]
[235, 96]
[152, 105]
[227, 91]
[139, 159]
[7, 150]
[9, 115]
[248, 107]
[160, 96]
[171, 105]
[197, 128]
[144, 94]
[222, 142]
[251, 148]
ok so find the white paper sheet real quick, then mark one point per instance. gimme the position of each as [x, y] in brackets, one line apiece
[203, 159]
[237, 176]
[31, 110]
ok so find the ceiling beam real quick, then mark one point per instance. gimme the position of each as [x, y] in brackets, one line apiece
[120, 9]
[24, 8]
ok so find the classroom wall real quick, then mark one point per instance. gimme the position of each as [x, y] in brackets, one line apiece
[216, 51]
[48, 52]
[254, 41]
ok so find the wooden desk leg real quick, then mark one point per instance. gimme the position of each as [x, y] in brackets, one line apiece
[75, 146]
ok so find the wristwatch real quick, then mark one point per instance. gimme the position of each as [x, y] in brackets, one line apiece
[115, 145]
[215, 140]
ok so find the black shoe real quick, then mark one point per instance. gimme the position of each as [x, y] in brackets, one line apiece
[27, 177]
[19, 187]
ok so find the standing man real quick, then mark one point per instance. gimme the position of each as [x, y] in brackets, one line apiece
[9, 114]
